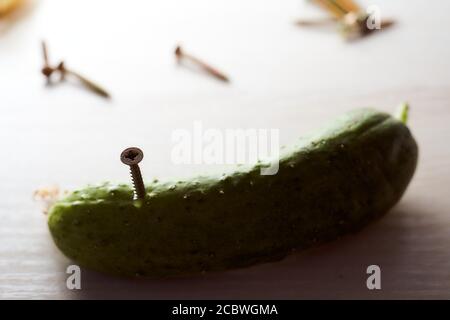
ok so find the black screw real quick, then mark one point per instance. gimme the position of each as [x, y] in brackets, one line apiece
[132, 157]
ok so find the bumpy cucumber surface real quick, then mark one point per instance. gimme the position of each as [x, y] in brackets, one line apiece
[332, 183]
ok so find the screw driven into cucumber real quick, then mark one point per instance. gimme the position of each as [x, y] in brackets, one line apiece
[131, 157]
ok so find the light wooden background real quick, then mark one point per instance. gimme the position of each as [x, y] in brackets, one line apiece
[282, 77]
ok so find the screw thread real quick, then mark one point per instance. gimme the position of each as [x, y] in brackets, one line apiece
[138, 183]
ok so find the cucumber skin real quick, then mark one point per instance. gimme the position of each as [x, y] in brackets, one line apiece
[334, 183]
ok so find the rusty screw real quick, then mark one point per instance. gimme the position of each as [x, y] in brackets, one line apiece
[132, 157]
[48, 71]
[180, 55]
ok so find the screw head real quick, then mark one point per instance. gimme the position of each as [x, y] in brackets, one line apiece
[131, 156]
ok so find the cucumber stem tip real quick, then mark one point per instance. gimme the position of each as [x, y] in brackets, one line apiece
[402, 113]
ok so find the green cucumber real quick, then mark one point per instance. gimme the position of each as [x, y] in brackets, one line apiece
[332, 183]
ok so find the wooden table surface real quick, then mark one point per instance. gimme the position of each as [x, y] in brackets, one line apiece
[282, 77]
